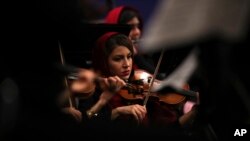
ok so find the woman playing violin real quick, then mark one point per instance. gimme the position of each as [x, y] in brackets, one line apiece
[113, 56]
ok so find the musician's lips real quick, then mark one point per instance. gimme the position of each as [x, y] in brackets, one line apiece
[125, 73]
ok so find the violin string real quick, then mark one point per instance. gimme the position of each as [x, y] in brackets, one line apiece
[128, 85]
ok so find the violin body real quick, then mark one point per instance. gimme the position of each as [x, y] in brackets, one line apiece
[171, 97]
[84, 86]
[140, 90]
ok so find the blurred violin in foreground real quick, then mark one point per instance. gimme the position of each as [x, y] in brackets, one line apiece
[83, 83]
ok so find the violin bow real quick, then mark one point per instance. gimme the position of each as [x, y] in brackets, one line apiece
[65, 78]
[153, 79]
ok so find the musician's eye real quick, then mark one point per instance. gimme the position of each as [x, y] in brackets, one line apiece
[117, 58]
[129, 56]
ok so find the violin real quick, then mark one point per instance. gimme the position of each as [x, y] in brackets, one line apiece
[139, 87]
[83, 84]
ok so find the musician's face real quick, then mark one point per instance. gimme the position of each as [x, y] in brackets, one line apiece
[135, 32]
[120, 62]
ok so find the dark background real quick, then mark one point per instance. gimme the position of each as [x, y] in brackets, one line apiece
[30, 83]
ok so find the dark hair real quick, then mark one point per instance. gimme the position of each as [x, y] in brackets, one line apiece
[129, 13]
[104, 49]
[117, 40]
